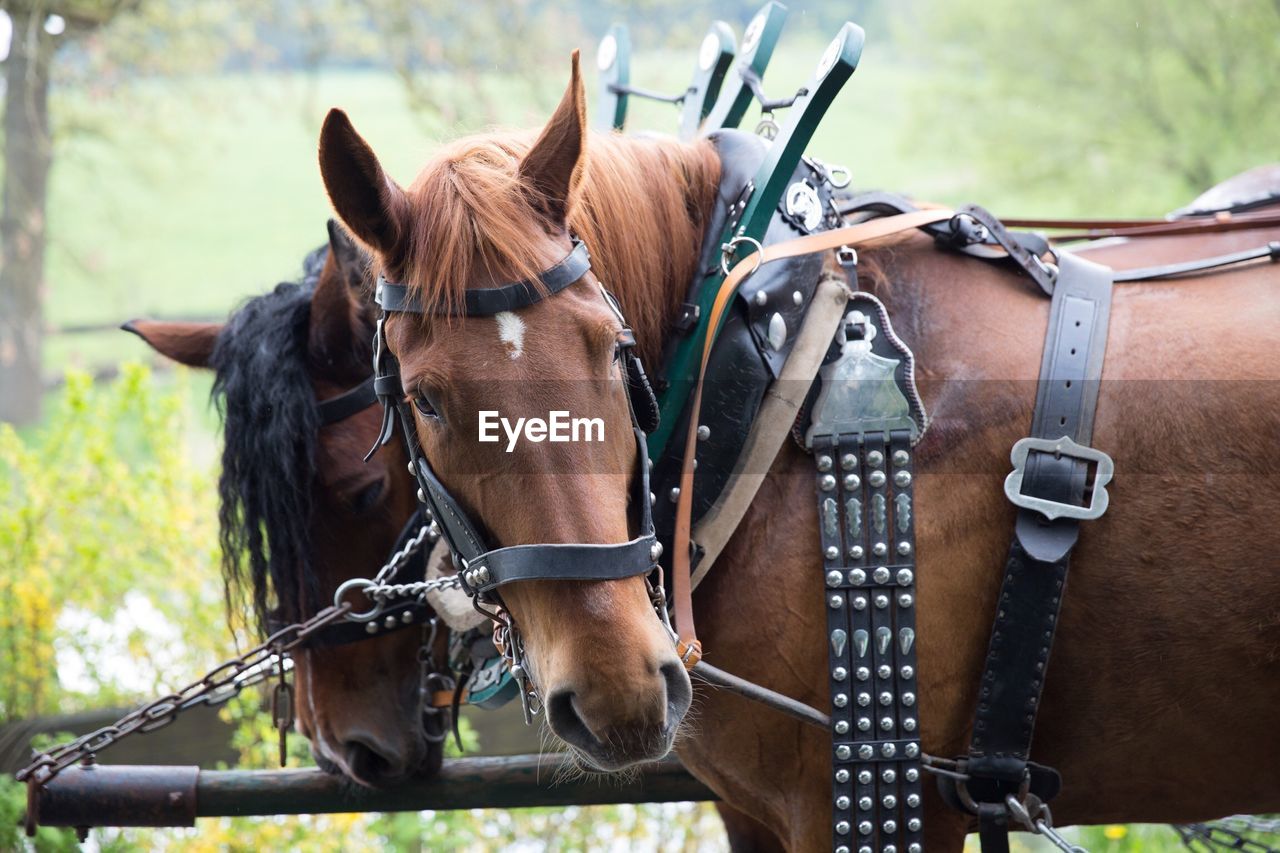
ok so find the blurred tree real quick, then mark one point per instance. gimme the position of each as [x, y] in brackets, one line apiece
[1093, 96]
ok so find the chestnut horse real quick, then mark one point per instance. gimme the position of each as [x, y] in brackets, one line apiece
[326, 516]
[1167, 665]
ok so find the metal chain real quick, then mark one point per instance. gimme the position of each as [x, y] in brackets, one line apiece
[214, 688]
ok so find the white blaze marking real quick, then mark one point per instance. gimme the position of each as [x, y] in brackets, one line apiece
[511, 331]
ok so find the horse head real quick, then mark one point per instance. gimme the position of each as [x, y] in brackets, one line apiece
[301, 513]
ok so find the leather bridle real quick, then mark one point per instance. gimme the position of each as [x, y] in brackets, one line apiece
[483, 567]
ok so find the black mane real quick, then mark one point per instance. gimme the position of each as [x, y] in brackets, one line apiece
[264, 394]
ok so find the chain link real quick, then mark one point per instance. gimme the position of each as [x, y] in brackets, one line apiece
[1228, 834]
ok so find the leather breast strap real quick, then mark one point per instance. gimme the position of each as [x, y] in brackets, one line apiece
[1049, 484]
[890, 228]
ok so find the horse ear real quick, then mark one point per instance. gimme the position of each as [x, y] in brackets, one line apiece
[372, 205]
[552, 168]
[186, 343]
[351, 260]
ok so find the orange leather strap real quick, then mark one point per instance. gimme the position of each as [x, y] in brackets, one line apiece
[887, 229]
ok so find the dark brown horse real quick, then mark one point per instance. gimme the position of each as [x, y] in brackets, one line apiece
[301, 512]
[1159, 705]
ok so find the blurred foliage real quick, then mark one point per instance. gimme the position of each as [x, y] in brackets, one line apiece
[1099, 101]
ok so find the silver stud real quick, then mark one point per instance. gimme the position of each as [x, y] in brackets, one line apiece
[881, 575]
[865, 803]
[886, 698]
[902, 479]
[886, 723]
[905, 600]
[406, 617]
[389, 622]
[864, 724]
[908, 673]
[833, 577]
[851, 482]
[875, 459]
[860, 640]
[797, 297]
[904, 577]
[884, 670]
[914, 848]
[842, 775]
[890, 801]
[901, 458]
[864, 699]
[905, 638]
[761, 297]
[859, 602]
[912, 775]
[824, 463]
[866, 751]
[879, 549]
[842, 727]
[371, 627]
[832, 552]
[908, 699]
[843, 848]
[913, 825]
[839, 673]
[888, 750]
[913, 800]
[863, 673]
[890, 826]
[655, 551]
[904, 548]
[883, 638]
[675, 494]
[842, 827]
[912, 750]
[856, 552]
[876, 479]
[857, 576]
[838, 639]
[840, 700]
[889, 848]
[410, 467]
[653, 499]
[864, 777]
[777, 331]
[882, 601]
[421, 497]
[835, 602]
[848, 462]
[909, 724]
[865, 828]
[889, 776]
[843, 752]
[865, 849]
[842, 802]
[826, 482]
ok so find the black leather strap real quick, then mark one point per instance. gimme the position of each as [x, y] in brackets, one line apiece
[347, 403]
[489, 301]
[1270, 251]
[1036, 569]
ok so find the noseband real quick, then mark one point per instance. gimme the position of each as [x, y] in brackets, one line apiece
[483, 569]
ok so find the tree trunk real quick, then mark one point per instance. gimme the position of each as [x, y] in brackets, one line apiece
[27, 154]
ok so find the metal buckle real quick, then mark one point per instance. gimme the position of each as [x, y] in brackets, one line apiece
[1063, 446]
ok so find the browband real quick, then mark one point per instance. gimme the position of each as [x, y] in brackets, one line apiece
[489, 301]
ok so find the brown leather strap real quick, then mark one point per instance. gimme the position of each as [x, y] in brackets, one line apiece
[1097, 229]
[860, 236]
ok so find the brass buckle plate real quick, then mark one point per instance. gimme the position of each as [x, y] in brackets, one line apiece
[1063, 446]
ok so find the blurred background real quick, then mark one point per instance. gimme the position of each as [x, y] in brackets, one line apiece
[159, 160]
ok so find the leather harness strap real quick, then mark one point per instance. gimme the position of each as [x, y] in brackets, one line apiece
[853, 236]
[347, 403]
[1096, 229]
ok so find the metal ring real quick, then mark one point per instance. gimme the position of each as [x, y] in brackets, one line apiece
[364, 584]
[727, 251]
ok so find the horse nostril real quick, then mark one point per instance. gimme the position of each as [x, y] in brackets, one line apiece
[679, 691]
[372, 763]
[566, 722]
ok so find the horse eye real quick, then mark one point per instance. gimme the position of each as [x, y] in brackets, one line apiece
[424, 407]
[367, 498]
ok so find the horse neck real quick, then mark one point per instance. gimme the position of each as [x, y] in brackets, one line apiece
[643, 210]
